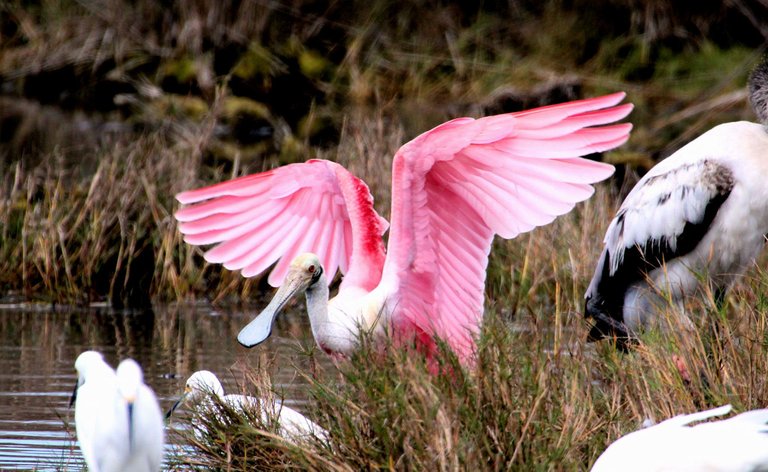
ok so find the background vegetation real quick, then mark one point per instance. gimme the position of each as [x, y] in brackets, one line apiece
[108, 108]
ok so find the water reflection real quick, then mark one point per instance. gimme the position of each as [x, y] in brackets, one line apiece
[38, 350]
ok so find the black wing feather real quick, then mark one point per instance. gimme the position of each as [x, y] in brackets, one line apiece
[605, 301]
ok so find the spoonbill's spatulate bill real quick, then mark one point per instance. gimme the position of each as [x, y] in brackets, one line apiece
[700, 214]
[453, 188]
[293, 425]
[733, 445]
[145, 420]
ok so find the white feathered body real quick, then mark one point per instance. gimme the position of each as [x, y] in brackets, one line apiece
[729, 161]
[101, 421]
[292, 424]
[738, 444]
[148, 427]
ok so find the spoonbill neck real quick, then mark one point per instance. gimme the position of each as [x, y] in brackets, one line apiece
[317, 303]
[338, 322]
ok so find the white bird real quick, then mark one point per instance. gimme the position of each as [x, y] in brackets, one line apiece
[293, 425]
[145, 420]
[101, 420]
[700, 213]
[733, 445]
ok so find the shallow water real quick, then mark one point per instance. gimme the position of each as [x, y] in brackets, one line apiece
[38, 348]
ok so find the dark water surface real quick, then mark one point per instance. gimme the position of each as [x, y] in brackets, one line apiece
[38, 348]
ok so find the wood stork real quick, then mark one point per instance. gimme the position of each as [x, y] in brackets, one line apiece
[701, 213]
[453, 188]
[736, 444]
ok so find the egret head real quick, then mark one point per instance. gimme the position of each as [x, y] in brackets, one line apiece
[198, 386]
[129, 378]
[203, 381]
[89, 364]
[86, 362]
[304, 273]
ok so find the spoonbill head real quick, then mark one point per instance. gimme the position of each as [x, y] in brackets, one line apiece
[701, 214]
[453, 188]
[735, 444]
[145, 420]
[304, 272]
[292, 424]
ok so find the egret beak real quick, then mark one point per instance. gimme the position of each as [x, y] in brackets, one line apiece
[260, 327]
[73, 398]
[130, 425]
[176, 405]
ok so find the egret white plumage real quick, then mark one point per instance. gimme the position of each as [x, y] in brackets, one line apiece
[700, 213]
[732, 445]
[453, 188]
[292, 424]
[101, 419]
[145, 420]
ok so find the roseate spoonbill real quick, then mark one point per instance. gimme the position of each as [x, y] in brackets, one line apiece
[101, 419]
[453, 188]
[145, 420]
[735, 444]
[700, 212]
[293, 425]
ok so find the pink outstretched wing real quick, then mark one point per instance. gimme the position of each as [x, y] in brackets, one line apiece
[457, 185]
[316, 206]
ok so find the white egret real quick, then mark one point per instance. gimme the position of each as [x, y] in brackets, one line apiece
[145, 420]
[100, 417]
[293, 425]
[699, 215]
[732, 445]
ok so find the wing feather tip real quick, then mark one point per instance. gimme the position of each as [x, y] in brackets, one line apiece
[184, 197]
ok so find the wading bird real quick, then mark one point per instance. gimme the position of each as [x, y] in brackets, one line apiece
[453, 188]
[292, 424]
[118, 421]
[145, 420]
[732, 445]
[101, 419]
[701, 213]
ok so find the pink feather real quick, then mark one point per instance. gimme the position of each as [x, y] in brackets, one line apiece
[276, 215]
[466, 170]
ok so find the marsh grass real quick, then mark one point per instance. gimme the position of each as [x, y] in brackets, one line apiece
[69, 236]
[86, 198]
[538, 398]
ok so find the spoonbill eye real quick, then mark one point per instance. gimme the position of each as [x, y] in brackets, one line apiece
[311, 269]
